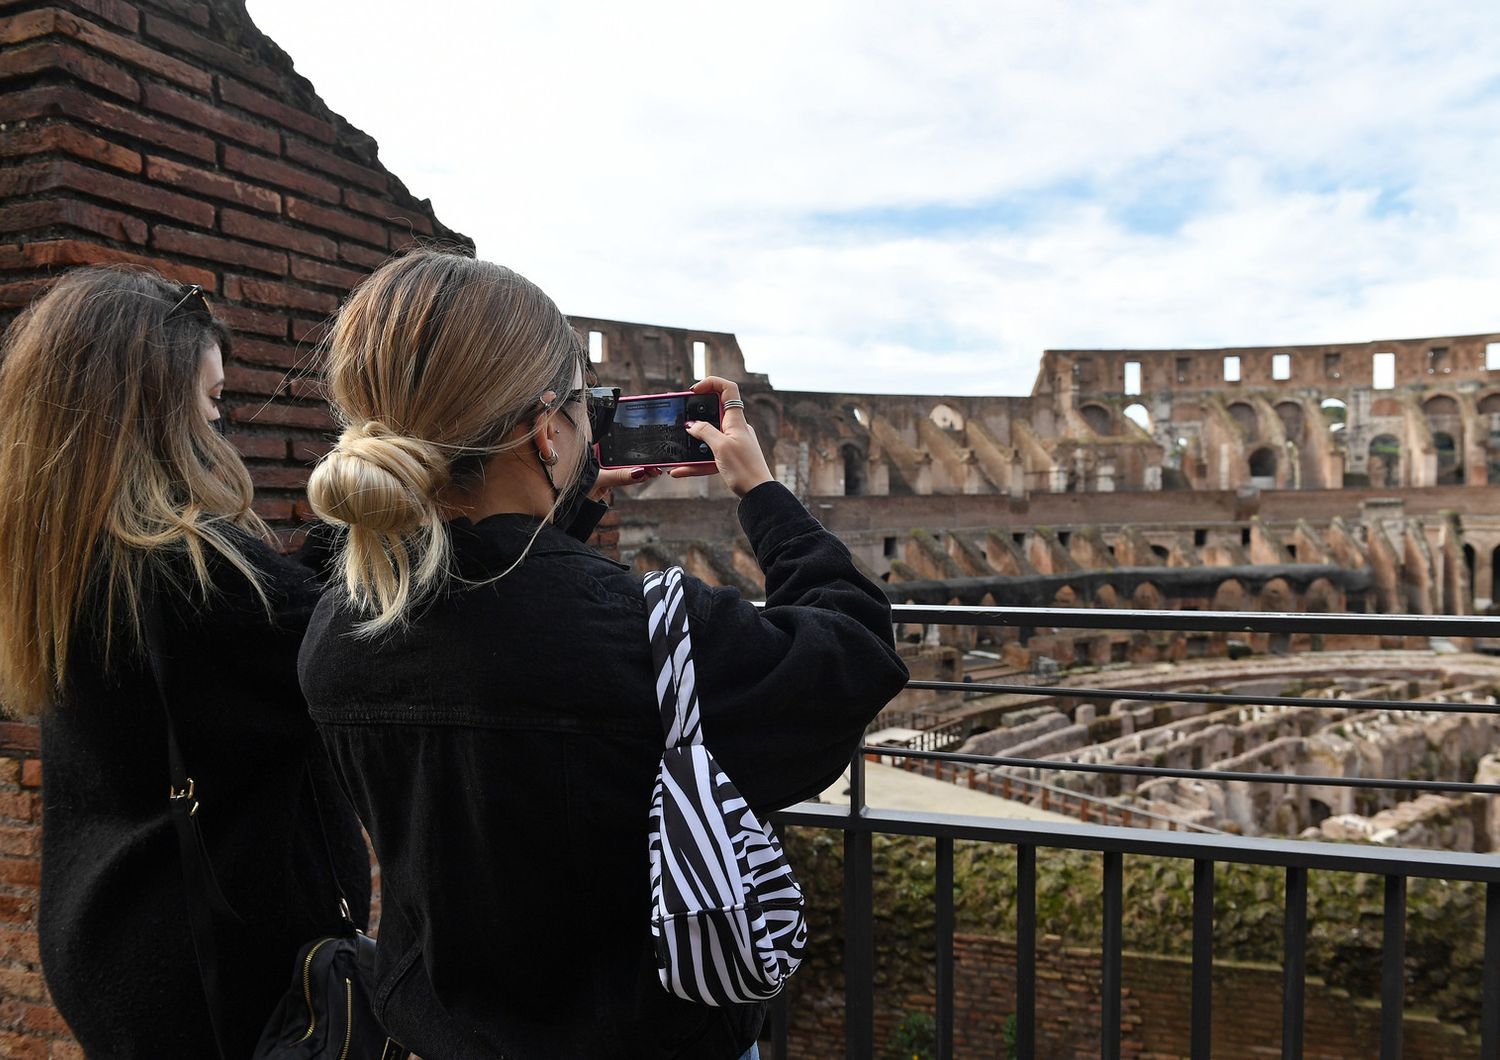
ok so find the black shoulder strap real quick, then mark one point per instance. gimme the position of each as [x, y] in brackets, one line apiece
[204, 895]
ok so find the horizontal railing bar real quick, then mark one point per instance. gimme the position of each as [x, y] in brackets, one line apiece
[1312, 854]
[1199, 621]
[1187, 774]
[1228, 699]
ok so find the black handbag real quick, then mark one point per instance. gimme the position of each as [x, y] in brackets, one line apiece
[327, 1012]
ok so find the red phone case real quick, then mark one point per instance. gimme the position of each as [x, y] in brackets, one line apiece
[680, 463]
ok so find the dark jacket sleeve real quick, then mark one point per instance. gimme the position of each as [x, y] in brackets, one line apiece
[787, 691]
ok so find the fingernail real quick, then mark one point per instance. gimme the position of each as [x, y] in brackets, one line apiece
[690, 424]
[639, 472]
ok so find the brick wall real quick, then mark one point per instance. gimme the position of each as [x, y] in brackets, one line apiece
[172, 134]
[1155, 1010]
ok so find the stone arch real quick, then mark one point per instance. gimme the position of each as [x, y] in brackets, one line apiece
[1065, 597]
[1105, 596]
[1277, 595]
[947, 417]
[856, 475]
[1147, 597]
[1323, 597]
[1335, 413]
[765, 417]
[1138, 415]
[1161, 552]
[1263, 467]
[1385, 461]
[1490, 404]
[1290, 414]
[1231, 596]
[1098, 418]
[1450, 463]
[1439, 405]
[1245, 417]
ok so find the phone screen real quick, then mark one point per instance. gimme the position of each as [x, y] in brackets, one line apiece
[650, 431]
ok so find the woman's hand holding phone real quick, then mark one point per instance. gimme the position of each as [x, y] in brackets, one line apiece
[737, 454]
[613, 478]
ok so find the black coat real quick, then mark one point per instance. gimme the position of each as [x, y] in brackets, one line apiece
[115, 942]
[502, 749]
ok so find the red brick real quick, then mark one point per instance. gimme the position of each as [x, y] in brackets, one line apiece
[68, 101]
[387, 211]
[216, 54]
[31, 773]
[312, 417]
[292, 478]
[214, 185]
[370, 259]
[271, 171]
[217, 250]
[19, 805]
[238, 95]
[327, 162]
[22, 983]
[36, 177]
[52, 22]
[310, 452]
[207, 116]
[66, 1051]
[17, 295]
[334, 221]
[329, 275]
[32, 1017]
[277, 353]
[53, 253]
[269, 508]
[190, 10]
[22, 841]
[276, 234]
[70, 213]
[402, 241]
[19, 944]
[69, 139]
[23, 1047]
[21, 872]
[269, 292]
[308, 386]
[10, 771]
[310, 332]
[258, 321]
[259, 446]
[116, 11]
[47, 56]
[243, 380]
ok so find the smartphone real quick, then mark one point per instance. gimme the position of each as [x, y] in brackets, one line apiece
[648, 431]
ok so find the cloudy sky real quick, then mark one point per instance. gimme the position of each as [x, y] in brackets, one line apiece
[921, 197]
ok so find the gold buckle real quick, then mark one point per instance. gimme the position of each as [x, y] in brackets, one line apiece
[174, 792]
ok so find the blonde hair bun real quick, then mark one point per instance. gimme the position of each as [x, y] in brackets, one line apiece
[375, 479]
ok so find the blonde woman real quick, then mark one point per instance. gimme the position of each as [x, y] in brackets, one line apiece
[485, 686]
[123, 509]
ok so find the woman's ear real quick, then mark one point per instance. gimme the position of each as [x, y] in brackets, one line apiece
[543, 431]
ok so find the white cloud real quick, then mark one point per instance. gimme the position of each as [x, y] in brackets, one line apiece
[1295, 172]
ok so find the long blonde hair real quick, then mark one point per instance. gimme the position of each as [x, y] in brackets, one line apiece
[434, 361]
[108, 467]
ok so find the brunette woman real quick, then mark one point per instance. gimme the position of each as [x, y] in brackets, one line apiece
[485, 684]
[127, 539]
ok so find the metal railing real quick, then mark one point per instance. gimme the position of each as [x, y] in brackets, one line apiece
[860, 822]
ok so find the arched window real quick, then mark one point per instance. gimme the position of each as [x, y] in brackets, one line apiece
[1385, 461]
[1290, 414]
[1335, 413]
[1138, 415]
[1098, 418]
[1244, 415]
[947, 417]
[1450, 466]
[854, 472]
[1263, 468]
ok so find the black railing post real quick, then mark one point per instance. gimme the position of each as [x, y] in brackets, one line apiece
[859, 926]
[1393, 968]
[944, 946]
[1294, 963]
[1203, 959]
[1026, 951]
[1109, 998]
[1489, 1007]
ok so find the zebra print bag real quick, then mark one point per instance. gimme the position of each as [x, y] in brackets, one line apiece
[727, 914]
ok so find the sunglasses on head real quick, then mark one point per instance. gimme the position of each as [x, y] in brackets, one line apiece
[194, 298]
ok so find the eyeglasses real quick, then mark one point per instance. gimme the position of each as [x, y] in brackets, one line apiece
[192, 293]
[600, 401]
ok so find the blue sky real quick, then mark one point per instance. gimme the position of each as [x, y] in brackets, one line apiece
[897, 197]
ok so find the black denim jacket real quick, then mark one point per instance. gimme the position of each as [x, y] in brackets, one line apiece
[502, 750]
